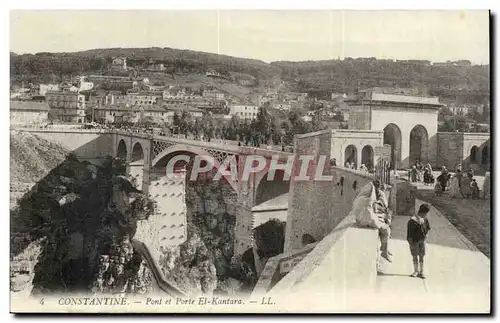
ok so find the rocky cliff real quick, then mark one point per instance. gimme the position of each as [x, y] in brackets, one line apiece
[70, 232]
[205, 263]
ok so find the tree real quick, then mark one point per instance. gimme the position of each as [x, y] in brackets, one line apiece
[176, 121]
[263, 124]
[458, 123]
[317, 124]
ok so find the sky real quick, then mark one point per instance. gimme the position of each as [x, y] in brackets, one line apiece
[265, 35]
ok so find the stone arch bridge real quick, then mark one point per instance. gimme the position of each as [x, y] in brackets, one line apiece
[147, 155]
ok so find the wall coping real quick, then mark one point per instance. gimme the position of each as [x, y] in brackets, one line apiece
[465, 133]
[353, 171]
[381, 103]
[273, 265]
[315, 258]
[357, 131]
[313, 134]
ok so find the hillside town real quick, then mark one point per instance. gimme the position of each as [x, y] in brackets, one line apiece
[266, 162]
[111, 100]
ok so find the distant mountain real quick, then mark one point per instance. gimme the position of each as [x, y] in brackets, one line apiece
[319, 78]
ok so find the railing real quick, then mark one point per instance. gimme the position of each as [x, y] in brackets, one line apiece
[383, 172]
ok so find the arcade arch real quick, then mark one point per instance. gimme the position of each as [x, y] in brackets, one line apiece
[351, 155]
[473, 154]
[419, 141]
[367, 156]
[392, 137]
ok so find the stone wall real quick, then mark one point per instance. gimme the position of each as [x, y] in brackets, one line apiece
[167, 227]
[311, 208]
[359, 117]
[454, 148]
[316, 207]
[450, 149]
[87, 145]
[341, 268]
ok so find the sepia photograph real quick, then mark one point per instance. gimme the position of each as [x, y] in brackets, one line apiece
[250, 161]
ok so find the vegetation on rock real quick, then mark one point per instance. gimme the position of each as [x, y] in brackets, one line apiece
[82, 216]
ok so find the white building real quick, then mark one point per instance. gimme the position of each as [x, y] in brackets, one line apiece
[142, 98]
[85, 86]
[244, 112]
[283, 107]
[28, 112]
[44, 88]
[213, 94]
[66, 106]
[120, 62]
[461, 110]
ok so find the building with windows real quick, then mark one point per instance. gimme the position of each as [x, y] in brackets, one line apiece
[143, 98]
[244, 112]
[28, 112]
[68, 106]
[213, 95]
[120, 62]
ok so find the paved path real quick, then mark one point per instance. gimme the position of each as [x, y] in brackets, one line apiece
[458, 275]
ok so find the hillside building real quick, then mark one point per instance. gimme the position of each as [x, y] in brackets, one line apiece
[28, 112]
[244, 112]
[67, 106]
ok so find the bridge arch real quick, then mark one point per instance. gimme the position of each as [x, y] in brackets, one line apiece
[162, 159]
[393, 137]
[122, 150]
[419, 142]
[266, 189]
[137, 152]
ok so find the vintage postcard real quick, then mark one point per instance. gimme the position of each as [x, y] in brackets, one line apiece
[250, 161]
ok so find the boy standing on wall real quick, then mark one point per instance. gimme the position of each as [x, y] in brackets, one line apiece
[418, 228]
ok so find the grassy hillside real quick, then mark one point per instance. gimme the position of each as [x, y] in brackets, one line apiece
[468, 84]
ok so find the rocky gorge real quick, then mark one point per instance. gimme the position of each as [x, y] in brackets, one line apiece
[72, 223]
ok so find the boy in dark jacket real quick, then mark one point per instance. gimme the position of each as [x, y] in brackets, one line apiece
[418, 228]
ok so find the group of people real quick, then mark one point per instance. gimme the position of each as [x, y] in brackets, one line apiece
[419, 173]
[370, 209]
[463, 185]
[460, 185]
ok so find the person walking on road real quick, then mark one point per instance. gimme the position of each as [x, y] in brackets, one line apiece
[417, 229]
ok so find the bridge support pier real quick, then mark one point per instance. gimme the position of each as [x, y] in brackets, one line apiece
[146, 171]
[244, 221]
